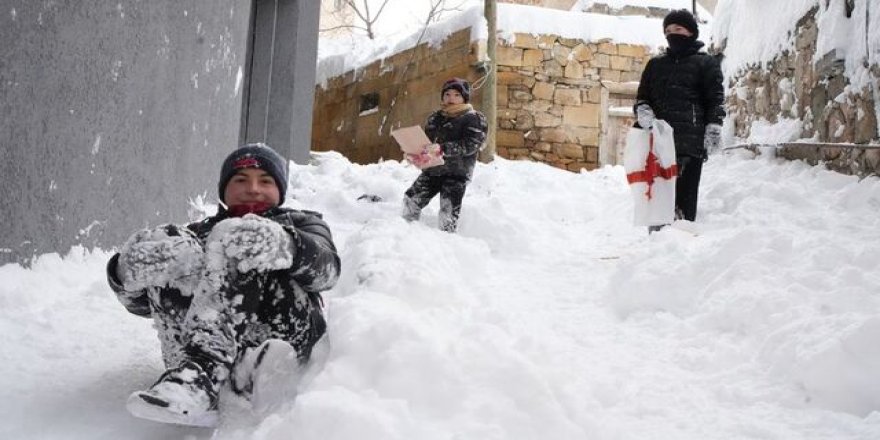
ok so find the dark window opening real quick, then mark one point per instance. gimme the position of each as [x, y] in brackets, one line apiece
[369, 101]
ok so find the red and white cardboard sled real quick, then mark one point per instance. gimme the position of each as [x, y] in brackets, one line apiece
[649, 161]
[416, 147]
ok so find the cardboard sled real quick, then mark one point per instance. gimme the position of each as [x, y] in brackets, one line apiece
[414, 144]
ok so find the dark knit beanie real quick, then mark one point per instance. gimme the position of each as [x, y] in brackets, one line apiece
[459, 84]
[683, 18]
[255, 156]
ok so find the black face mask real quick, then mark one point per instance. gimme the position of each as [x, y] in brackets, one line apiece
[678, 42]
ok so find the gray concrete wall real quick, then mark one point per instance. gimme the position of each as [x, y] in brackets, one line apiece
[114, 114]
[278, 101]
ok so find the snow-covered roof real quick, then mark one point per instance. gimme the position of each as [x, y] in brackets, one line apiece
[586, 26]
[512, 19]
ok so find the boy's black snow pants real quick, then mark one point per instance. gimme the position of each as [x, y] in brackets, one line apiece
[687, 186]
[451, 189]
[229, 312]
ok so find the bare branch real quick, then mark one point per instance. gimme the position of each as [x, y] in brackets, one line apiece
[343, 26]
[357, 11]
[365, 16]
[367, 11]
[438, 8]
[381, 8]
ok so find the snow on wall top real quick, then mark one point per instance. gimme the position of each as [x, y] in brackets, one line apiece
[340, 57]
[617, 4]
[757, 31]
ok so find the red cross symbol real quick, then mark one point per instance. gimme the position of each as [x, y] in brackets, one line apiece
[652, 170]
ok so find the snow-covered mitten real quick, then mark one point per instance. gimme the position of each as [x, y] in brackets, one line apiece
[159, 257]
[252, 243]
[645, 115]
[712, 139]
[185, 395]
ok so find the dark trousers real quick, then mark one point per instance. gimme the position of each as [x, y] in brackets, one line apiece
[687, 186]
[226, 313]
[425, 187]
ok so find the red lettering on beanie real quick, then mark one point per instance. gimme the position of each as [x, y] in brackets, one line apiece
[246, 162]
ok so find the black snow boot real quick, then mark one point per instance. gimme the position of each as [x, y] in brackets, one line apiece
[185, 395]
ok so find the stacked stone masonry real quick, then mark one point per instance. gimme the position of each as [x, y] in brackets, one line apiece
[550, 103]
[550, 107]
[797, 85]
[355, 112]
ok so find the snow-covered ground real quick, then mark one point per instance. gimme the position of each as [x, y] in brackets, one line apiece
[547, 316]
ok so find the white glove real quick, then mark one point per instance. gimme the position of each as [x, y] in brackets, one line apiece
[645, 115]
[252, 243]
[712, 139]
[159, 257]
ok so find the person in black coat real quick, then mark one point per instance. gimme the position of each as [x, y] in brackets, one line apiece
[225, 291]
[458, 132]
[684, 87]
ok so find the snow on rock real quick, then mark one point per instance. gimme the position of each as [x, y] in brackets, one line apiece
[758, 31]
[784, 130]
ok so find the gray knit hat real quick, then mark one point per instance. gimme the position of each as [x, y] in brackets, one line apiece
[255, 156]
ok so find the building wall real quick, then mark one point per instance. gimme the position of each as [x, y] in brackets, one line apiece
[550, 97]
[804, 85]
[279, 81]
[411, 80]
[117, 114]
[114, 114]
[551, 105]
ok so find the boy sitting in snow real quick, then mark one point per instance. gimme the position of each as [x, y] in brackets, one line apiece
[228, 292]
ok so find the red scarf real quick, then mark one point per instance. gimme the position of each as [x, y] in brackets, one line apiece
[249, 208]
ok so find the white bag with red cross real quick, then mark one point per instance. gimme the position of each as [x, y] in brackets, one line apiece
[649, 161]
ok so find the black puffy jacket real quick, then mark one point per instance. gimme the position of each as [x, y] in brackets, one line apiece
[684, 89]
[461, 138]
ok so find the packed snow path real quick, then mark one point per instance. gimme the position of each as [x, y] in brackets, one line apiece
[547, 316]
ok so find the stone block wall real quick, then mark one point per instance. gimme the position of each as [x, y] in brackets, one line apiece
[354, 113]
[550, 106]
[802, 84]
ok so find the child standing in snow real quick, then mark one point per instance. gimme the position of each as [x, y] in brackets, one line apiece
[458, 131]
[684, 87]
[227, 291]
